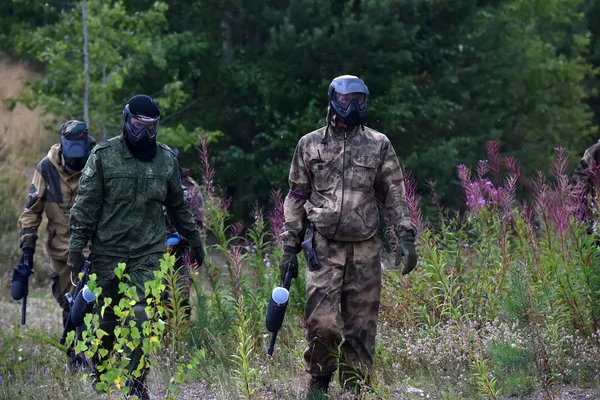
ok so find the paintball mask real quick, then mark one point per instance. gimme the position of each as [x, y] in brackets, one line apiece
[75, 144]
[348, 99]
[141, 117]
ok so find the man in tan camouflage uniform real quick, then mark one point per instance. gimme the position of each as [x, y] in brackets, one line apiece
[337, 174]
[52, 191]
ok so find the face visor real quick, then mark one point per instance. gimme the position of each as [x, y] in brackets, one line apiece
[346, 101]
[139, 126]
[76, 152]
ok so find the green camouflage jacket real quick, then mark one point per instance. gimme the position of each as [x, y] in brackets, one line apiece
[336, 177]
[120, 200]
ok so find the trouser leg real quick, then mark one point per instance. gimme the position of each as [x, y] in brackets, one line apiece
[361, 294]
[322, 313]
[140, 271]
[60, 275]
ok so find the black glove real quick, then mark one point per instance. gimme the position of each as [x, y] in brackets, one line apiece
[75, 261]
[406, 248]
[289, 256]
[27, 253]
[197, 255]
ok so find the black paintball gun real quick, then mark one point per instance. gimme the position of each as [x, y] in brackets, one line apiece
[20, 282]
[80, 304]
[277, 306]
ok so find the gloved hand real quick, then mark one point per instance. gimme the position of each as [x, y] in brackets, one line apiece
[406, 249]
[27, 253]
[289, 256]
[197, 255]
[75, 261]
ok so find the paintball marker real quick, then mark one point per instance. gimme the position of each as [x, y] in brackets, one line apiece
[80, 303]
[277, 306]
[20, 282]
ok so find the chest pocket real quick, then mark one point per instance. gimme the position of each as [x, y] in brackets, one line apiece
[120, 187]
[364, 171]
[323, 174]
[154, 187]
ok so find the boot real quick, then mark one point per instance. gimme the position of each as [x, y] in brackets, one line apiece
[137, 387]
[318, 387]
[353, 383]
[79, 362]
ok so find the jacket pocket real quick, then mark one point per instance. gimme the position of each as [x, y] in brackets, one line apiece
[155, 187]
[51, 236]
[322, 174]
[363, 173]
[120, 188]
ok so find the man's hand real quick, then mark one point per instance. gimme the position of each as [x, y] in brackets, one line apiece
[406, 249]
[289, 256]
[197, 256]
[75, 261]
[27, 253]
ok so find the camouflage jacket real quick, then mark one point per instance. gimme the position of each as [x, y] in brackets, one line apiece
[587, 168]
[120, 202]
[52, 191]
[586, 174]
[336, 177]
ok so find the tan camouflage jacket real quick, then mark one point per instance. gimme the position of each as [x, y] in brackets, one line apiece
[52, 191]
[336, 177]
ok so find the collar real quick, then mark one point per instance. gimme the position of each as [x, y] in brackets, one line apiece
[124, 148]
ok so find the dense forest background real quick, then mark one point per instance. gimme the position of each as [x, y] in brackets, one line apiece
[445, 77]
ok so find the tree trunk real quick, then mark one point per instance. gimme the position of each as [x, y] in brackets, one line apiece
[226, 37]
[86, 66]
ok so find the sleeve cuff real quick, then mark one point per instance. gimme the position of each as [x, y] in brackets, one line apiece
[75, 249]
[195, 241]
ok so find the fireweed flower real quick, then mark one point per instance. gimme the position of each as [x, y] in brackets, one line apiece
[493, 152]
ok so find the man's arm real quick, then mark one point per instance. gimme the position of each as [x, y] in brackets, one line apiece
[178, 211]
[389, 190]
[293, 206]
[587, 168]
[86, 210]
[195, 201]
[31, 218]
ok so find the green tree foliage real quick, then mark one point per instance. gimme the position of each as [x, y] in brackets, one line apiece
[445, 77]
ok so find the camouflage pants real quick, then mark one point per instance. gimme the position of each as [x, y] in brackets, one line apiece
[342, 307]
[60, 275]
[140, 270]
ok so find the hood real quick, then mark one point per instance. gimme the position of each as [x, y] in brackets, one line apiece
[332, 129]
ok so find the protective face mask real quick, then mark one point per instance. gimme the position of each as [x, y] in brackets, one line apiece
[75, 164]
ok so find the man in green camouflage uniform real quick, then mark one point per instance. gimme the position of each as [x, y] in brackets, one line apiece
[337, 174]
[119, 209]
[52, 192]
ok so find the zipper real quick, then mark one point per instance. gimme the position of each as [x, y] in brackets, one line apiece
[343, 181]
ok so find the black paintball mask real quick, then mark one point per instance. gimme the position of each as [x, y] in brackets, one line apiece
[75, 144]
[141, 117]
[348, 99]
